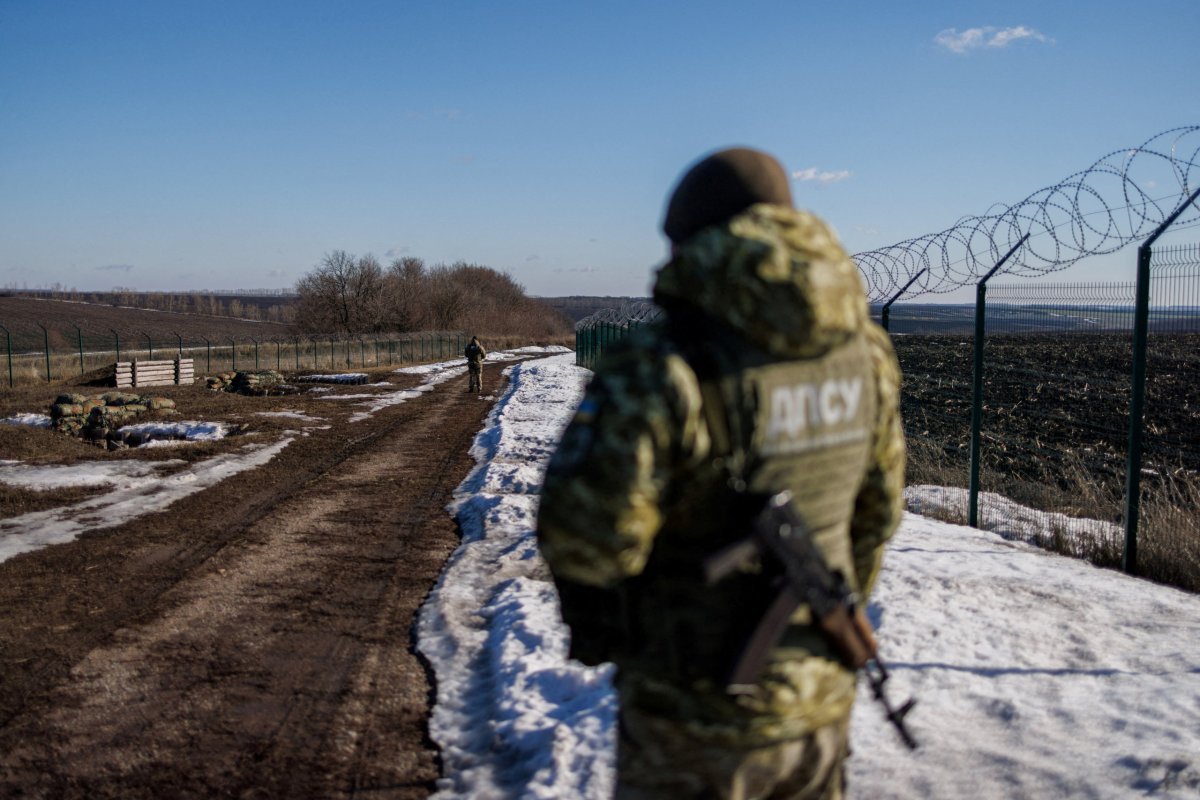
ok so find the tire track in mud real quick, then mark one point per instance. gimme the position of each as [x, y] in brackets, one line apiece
[273, 659]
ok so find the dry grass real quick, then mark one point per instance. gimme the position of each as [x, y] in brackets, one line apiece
[15, 502]
[1169, 533]
[1168, 530]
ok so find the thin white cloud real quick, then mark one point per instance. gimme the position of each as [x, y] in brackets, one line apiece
[822, 177]
[117, 267]
[276, 273]
[957, 41]
[398, 251]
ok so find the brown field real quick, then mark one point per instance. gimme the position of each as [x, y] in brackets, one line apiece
[1055, 432]
[21, 315]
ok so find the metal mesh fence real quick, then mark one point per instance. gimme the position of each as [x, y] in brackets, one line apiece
[54, 353]
[598, 332]
[1055, 423]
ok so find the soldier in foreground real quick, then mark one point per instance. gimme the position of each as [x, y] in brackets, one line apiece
[475, 355]
[764, 379]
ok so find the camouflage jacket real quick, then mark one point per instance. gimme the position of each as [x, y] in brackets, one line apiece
[475, 354]
[635, 495]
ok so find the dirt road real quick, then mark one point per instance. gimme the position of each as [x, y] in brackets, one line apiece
[253, 641]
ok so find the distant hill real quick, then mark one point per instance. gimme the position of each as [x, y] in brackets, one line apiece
[576, 307]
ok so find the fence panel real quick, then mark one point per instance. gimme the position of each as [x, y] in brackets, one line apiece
[1056, 415]
[1169, 519]
[1056, 405]
[38, 356]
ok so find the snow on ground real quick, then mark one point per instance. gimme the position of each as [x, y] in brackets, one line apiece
[44, 477]
[290, 414]
[138, 486]
[173, 432]
[36, 420]
[1011, 520]
[134, 494]
[513, 717]
[436, 373]
[1036, 675]
[340, 377]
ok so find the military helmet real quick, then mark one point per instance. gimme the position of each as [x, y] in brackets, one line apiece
[722, 185]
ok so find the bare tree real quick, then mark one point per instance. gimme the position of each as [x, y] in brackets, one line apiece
[343, 293]
[446, 298]
[404, 291]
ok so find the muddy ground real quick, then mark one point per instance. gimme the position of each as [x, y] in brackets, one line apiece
[254, 640]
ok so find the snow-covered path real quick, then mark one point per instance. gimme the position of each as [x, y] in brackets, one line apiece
[1036, 676]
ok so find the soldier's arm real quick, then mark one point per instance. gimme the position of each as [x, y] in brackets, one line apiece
[880, 501]
[601, 501]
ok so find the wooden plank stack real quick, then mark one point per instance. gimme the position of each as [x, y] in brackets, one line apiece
[155, 373]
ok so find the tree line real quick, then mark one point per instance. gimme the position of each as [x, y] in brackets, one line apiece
[357, 294]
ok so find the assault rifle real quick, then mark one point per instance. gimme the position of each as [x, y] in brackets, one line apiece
[779, 535]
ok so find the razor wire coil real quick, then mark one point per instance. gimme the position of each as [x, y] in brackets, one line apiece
[636, 312]
[1119, 199]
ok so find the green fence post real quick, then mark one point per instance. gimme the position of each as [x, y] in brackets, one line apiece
[977, 387]
[207, 354]
[255, 352]
[233, 352]
[279, 355]
[296, 344]
[46, 340]
[1137, 398]
[179, 342]
[79, 339]
[886, 312]
[8, 347]
[117, 338]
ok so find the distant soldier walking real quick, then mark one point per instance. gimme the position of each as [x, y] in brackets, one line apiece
[475, 355]
[765, 378]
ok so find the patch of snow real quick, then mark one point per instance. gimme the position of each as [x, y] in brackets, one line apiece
[34, 420]
[132, 498]
[185, 430]
[342, 377]
[1035, 675]
[1009, 519]
[44, 477]
[291, 415]
[514, 717]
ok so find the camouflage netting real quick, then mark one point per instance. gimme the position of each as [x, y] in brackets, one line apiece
[96, 418]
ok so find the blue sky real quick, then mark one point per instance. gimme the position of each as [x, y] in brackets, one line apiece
[171, 145]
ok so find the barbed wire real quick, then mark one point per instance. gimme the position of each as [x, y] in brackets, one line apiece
[634, 311]
[1121, 198]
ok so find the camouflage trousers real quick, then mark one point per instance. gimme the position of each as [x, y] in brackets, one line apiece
[658, 758]
[475, 381]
